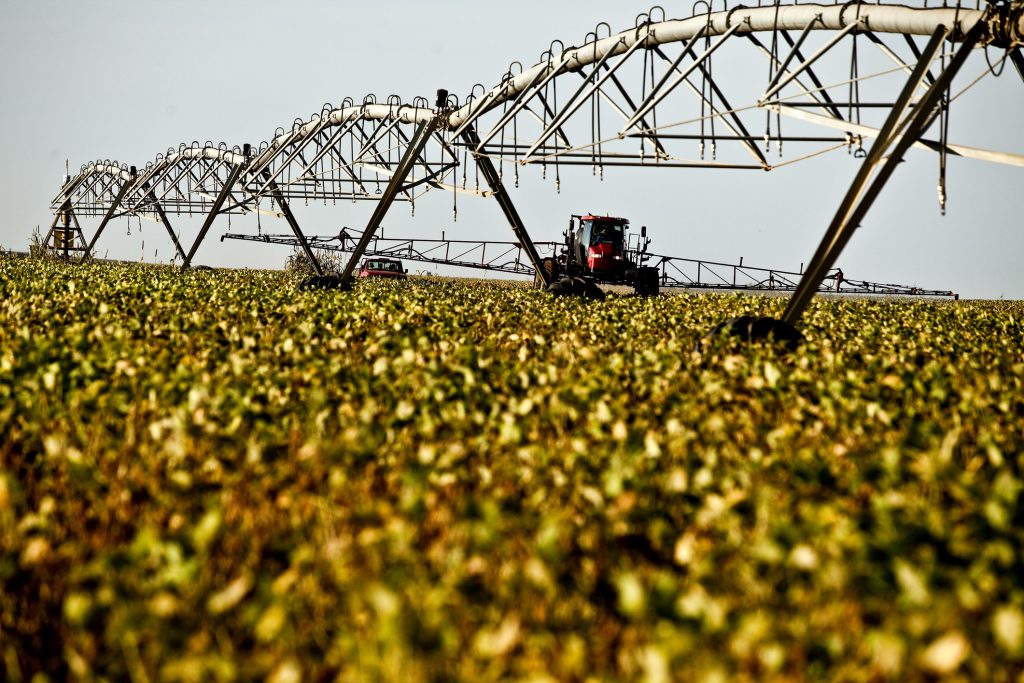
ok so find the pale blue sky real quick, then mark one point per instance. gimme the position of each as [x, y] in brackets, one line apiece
[126, 79]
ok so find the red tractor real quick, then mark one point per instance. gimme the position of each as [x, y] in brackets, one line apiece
[598, 251]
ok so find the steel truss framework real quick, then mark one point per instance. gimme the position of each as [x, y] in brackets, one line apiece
[674, 271]
[867, 79]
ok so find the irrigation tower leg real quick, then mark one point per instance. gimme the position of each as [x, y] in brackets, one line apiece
[218, 204]
[78, 226]
[864, 190]
[163, 219]
[61, 212]
[65, 210]
[66, 232]
[1018, 61]
[486, 167]
[110, 214]
[408, 160]
[290, 217]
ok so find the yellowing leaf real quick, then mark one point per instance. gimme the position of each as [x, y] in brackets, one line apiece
[946, 653]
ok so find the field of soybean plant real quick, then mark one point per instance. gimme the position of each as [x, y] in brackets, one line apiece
[213, 476]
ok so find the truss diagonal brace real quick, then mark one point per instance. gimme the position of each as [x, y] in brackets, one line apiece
[861, 194]
[652, 135]
[656, 96]
[729, 114]
[1018, 61]
[794, 51]
[521, 101]
[68, 188]
[806, 64]
[218, 203]
[278, 196]
[125, 186]
[405, 165]
[575, 101]
[163, 218]
[490, 174]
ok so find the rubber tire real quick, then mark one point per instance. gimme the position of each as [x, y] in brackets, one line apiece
[576, 286]
[646, 283]
[324, 282]
[563, 286]
[550, 268]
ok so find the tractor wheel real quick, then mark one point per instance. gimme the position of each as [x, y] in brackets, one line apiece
[324, 282]
[646, 283]
[550, 268]
[334, 282]
[576, 286]
[563, 286]
[592, 291]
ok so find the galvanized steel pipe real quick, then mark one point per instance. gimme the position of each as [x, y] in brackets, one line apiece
[878, 18]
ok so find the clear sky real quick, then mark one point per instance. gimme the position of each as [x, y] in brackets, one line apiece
[126, 79]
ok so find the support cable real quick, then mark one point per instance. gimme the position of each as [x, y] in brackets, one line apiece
[944, 127]
[554, 108]
[709, 97]
[772, 60]
[853, 95]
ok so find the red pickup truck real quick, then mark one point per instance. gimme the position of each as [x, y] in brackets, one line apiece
[376, 266]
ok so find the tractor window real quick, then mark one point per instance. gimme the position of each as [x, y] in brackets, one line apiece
[606, 233]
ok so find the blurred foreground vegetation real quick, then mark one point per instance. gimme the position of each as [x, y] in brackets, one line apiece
[210, 476]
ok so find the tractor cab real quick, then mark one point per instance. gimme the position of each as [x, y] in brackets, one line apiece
[598, 251]
[598, 243]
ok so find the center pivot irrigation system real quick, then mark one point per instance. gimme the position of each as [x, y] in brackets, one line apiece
[734, 88]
